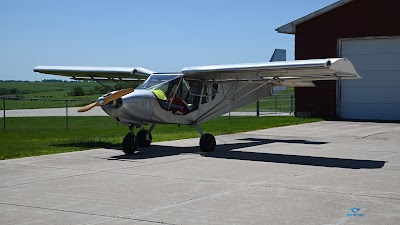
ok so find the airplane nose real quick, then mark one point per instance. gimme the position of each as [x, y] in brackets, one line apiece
[135, 106]
[115, 104]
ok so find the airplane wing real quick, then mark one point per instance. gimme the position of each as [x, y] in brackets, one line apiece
[96, 73]
[287, 73]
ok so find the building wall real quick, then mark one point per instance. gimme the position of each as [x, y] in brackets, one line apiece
[318, 38]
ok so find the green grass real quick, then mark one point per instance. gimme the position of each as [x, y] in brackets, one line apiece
[45, 86]
[47, 135]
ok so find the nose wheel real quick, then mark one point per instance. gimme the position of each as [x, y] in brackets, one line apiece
[144, 138]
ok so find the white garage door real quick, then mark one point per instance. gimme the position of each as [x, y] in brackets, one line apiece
[377, 95]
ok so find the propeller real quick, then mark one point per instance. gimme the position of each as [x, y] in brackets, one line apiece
[105, 99]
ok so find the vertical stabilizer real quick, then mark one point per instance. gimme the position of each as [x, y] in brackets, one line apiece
[279, 55]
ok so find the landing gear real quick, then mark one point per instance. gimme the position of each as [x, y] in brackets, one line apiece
[129, 145]
[144, 138]
[207, 143]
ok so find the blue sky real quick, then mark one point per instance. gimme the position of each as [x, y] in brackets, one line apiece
[163, 36]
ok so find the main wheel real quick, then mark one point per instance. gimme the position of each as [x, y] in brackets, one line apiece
[129, 145]
[142, 141]
[207, 143]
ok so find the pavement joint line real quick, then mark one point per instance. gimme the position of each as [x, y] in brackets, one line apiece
[149, 164]
[128, 218]
[83, 213]
[387, 156]
[177, 178]
[51, 167]
[83, 174]
[218, 139]
[241, 187]
[383, 132]
[289, 177]
[51, 179]
[97, 157]
[97, 221]
[190, 200]
[329, 192]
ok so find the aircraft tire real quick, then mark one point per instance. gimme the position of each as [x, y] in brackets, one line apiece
[207, 143]
[129, 144]
[141, 138]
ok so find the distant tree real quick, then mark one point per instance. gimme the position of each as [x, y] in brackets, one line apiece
[51, 80]
[14, 91]
[124, 85]
[99, 90]
[77, 91]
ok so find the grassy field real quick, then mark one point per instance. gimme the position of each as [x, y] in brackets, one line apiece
[47, 135]
[34, 95]
[56, 90]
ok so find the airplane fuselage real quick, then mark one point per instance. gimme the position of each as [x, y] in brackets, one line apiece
[142, 105]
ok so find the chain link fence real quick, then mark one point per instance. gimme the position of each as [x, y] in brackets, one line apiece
[279, 104]
[17, 112]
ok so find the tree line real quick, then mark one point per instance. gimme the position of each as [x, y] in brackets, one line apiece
[79, 91]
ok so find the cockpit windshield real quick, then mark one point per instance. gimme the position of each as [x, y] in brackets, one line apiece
[157, 80]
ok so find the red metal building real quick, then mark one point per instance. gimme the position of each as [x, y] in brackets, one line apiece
[368, 33]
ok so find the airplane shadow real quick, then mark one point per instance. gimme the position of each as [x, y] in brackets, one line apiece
[232, 151]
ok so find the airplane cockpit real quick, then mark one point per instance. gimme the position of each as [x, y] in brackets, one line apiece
[179, 95]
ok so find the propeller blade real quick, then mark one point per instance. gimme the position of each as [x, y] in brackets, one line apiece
[106, 100]
[117, 95]
[88, 107]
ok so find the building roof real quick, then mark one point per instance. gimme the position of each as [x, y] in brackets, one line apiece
[290, 28]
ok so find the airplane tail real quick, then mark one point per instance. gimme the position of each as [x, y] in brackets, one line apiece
[278, 55]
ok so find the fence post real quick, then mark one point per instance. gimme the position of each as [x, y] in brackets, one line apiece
[66, 114]
[291, 103]
[258, 107]
[276, 99]
[4, 112]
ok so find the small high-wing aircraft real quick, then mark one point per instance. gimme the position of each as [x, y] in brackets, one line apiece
[196, 94]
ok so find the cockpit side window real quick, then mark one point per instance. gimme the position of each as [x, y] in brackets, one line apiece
[179, 92]
[200, 92]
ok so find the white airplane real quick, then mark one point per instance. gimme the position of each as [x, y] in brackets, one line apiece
[196, 94]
